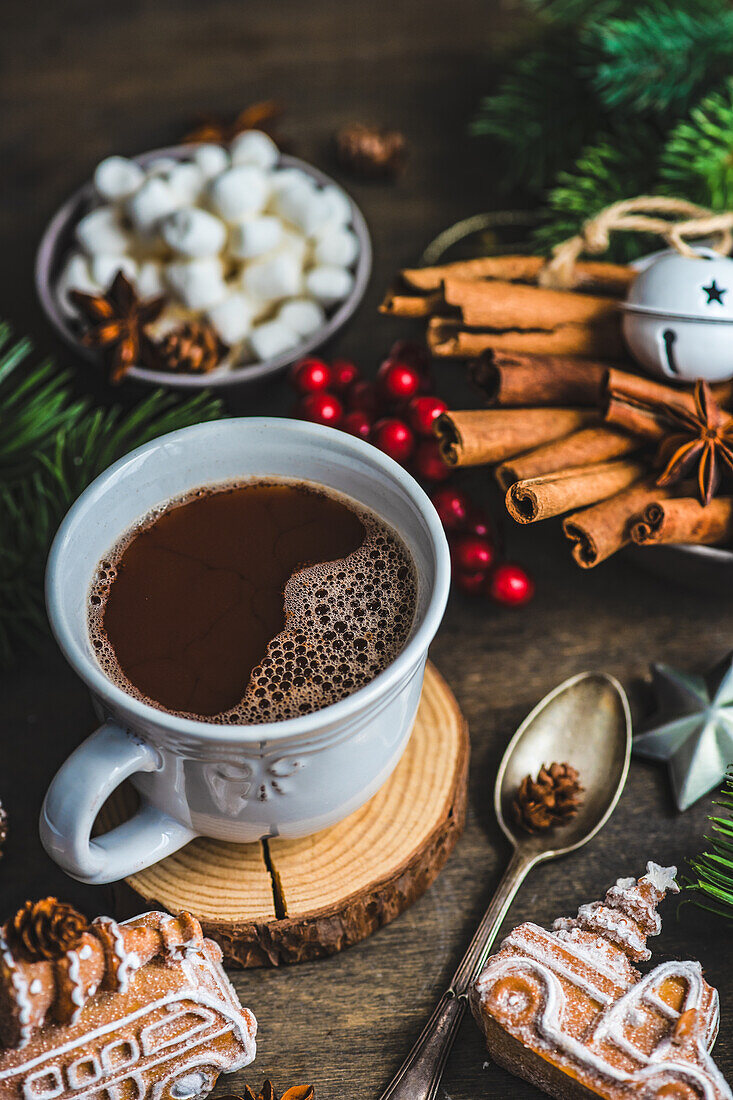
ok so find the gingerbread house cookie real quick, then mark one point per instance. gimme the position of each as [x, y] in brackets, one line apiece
[569, 1012]
[105, 1011]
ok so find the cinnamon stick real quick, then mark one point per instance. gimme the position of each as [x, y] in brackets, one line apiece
[599, 531]
[397, 304]
[449, 338]
[636, 403]
[552, 494]
[684, 520]
[611, 279]
[476, 437]
[511, 380]
[503, 305]
[583, 448]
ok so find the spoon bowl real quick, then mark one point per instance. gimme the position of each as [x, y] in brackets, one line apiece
[585, 722]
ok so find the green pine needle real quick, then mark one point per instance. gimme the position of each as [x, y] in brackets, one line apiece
[662, 57]
[51, 448]
[711, 887]
[697, 160]
[606, 172]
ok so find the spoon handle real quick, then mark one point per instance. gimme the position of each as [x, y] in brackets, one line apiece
[418, 1078]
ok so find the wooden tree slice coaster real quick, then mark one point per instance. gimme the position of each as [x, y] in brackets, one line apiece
[287, 901]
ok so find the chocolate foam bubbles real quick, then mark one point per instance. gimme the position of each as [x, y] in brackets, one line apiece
[345, 622]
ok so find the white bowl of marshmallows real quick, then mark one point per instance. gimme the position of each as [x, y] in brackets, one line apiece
[266, 249]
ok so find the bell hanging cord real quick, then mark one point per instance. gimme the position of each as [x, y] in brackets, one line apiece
[636, 216]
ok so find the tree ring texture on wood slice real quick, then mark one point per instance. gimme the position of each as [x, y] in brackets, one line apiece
[285, 901]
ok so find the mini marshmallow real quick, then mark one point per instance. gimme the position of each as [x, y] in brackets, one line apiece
[339, 206]
[282, 179]
[238, 191]
[75, 275]
[302, 316]
[272, 338]
[116, 178]
[210, 159]
[254, 147]
[187, 181]
[104, 267]
[192, 232]
[255, 236]
[199, 284]
[329, 284]
[101, 230]
[160, 166]
[149, 281]
[295, 244]
[278, 276]
[304, 207]
[336, 247]
[232, 318]
[154, 201]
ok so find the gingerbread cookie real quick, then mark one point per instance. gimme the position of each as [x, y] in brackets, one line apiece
[136, 1011]
[568, 1011]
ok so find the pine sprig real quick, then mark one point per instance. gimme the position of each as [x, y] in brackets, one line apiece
[599, 178]
[46, 460]
[712, 886]
[697, 160]
[663, 57]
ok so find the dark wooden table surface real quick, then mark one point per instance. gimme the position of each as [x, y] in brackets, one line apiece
[83, 79]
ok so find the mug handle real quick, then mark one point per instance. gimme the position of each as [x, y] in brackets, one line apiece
[79, 790]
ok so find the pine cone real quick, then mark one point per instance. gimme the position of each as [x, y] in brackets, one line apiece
[44, 929]
[369, 151]
[194, 348]
[553, 797]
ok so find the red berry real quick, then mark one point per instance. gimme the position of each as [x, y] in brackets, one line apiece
[310, 375]
[362, 396]
[470, 582]
[357, 423]
[422, 411]
[510, 584]
[452, 507]
[408, 351]
[478, 523]
[343, 374]
[397, 381]
[394, 438]
[471, 554]
[321, 408]
[429, 463]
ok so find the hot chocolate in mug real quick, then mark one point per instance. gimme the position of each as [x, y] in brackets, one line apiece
[234, 782]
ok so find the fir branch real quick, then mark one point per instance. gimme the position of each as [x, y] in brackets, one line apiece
[712, 886]
[663, 57]
[613, 169]
[540, 115]
[65, 445]
[697, 161]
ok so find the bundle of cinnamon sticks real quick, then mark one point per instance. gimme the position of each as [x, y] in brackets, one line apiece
[498, 303]
[576, 437]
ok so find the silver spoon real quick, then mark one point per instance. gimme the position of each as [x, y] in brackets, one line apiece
[585, 722]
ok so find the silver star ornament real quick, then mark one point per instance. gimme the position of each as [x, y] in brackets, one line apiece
[692, 728]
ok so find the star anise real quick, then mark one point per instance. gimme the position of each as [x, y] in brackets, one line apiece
[702, 445]
[214, 128]
[550, 799]
[117, 322]
[296, 1092]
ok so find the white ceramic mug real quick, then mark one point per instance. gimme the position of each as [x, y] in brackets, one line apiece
[239, 783]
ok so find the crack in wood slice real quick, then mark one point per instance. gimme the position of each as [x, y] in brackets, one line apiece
[286, 901]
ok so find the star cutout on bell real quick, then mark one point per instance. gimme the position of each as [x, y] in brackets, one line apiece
[692, 728]
[715, 293]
